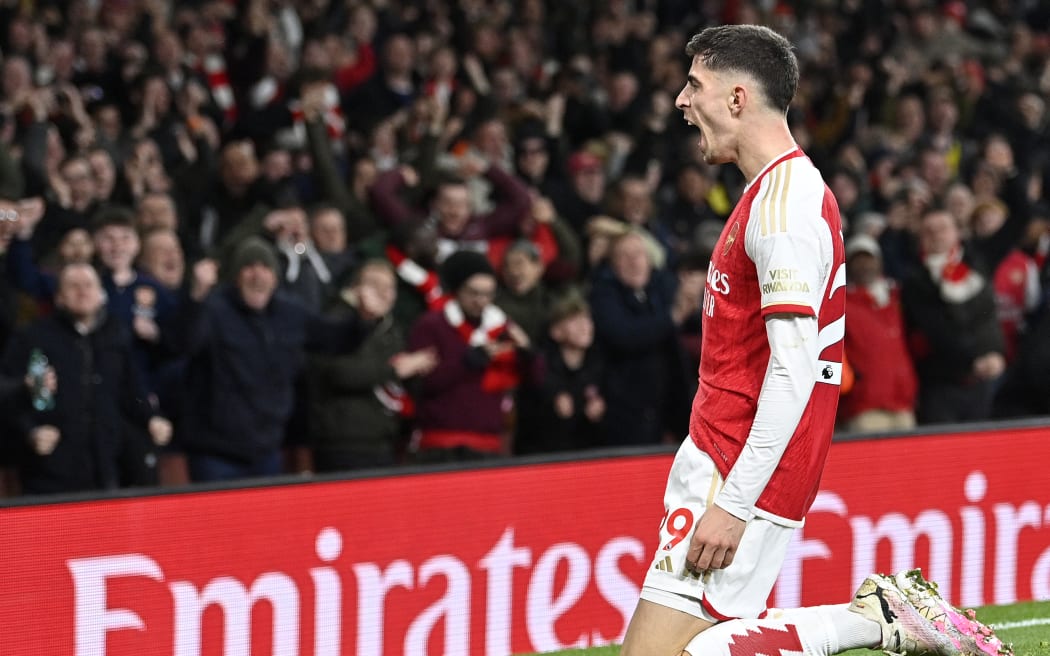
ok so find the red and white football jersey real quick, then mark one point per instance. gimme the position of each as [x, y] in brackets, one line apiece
[781, 251]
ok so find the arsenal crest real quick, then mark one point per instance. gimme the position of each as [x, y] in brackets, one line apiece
[731, 238]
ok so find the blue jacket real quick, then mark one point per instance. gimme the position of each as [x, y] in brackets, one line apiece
[99, 397]
[647, 391]
[242, 370]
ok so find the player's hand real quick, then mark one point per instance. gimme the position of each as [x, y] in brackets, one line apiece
[715, 540]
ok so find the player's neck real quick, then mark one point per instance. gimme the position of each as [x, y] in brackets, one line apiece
[760, 145]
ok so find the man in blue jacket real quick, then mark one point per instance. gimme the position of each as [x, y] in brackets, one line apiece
[246, 348]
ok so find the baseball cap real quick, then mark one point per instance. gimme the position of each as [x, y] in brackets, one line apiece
[862, 244]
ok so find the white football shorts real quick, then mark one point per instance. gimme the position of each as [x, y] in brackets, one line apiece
[740, 590]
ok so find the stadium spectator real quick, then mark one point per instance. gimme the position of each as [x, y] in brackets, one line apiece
[522, 293]
[237, 193]
[350, 199]
[691, 274]
[690, 206]
[636, 326]
[883, 395]
[328, 233]
[412, 249]
[450, 210]
[161, 258]
[632, 202]
[465, 403]
[390, 90]
[156, 210]
[246, 349]
[214, 117]
[953, 334]
[358, 400]
[584, 197]
[564, 410]
[304, 272]
[12, 216]
[100, 415]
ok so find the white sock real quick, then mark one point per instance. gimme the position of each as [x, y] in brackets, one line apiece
[814, 631]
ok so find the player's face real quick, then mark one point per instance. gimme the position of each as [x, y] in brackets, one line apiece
[704, 102]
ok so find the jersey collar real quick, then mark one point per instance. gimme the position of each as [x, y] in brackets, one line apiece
[773, 162]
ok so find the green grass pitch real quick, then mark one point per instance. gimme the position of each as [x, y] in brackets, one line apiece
[1026, 625]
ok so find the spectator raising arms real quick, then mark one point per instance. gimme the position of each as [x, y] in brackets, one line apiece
[246, 348]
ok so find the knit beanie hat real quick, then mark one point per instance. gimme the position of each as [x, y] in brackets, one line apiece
[461, 265]
[253, 250]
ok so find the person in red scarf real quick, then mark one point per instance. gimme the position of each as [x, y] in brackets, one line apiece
[953, 332]
[465, 403]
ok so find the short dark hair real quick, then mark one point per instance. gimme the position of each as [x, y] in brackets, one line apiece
[752, 49]
[112, 215]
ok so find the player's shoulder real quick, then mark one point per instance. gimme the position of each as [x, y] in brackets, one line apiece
[791, 191]
[792, 178]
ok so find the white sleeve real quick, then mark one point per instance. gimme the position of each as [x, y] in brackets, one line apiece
[791, 246]
[789, 241]
[790, 377]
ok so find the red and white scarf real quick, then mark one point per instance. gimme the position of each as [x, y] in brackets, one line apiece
[396, 399]
[334, 122]
[957, 281]
[213, 69]
[425, 282]
[501, 375]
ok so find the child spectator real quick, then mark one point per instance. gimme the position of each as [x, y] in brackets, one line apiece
[564, 410]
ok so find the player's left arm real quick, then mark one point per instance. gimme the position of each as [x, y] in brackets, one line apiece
[793, 259]
[788, 384]
[790, 377]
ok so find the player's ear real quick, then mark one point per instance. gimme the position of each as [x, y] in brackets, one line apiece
[737, 100]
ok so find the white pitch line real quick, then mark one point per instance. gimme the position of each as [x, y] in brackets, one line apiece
[1020, 624]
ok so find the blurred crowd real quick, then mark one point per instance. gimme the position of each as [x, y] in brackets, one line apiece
[246, 237]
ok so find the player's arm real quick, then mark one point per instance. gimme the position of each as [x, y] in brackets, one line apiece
[791, 248]
[789, 380]
[790, 377]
